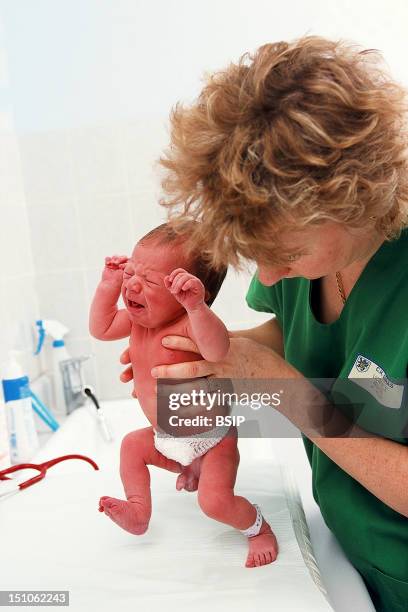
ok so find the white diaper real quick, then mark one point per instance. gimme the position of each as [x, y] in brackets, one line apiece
[185, 450]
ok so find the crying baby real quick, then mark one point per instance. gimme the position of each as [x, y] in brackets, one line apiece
[168, 292]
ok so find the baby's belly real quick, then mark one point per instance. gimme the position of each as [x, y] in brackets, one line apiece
[159, 412]
[146, 391]
[144, 384]
[146, 394]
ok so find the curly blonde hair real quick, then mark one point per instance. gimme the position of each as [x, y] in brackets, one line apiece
[288, 137]
[212, 278]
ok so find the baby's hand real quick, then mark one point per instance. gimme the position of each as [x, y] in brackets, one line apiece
[186, 288]
[113, 270]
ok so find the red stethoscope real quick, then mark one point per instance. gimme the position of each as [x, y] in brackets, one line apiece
[42, 469]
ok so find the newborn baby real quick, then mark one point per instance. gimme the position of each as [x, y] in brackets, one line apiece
[162, 298]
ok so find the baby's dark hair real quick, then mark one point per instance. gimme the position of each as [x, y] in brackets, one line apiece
[211, 277]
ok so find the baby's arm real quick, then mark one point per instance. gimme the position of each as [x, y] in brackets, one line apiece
[208, 331]
[106, 322]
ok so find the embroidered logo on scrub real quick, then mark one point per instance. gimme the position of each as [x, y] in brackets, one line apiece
[368, 375]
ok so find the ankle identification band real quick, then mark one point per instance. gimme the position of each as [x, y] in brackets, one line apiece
[256, 527]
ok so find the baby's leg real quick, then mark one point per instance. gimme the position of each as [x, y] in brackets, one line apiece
[136, 453]
[218, 501]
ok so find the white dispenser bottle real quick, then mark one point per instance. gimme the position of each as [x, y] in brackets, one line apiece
[57, 331]
[20, 417]
[4, 438]
[59, 353]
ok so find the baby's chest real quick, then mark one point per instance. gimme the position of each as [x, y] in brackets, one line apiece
[147, 350]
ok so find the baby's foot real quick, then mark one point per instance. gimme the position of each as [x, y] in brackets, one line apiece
[263, 548]
[189, 477]
[127, 514]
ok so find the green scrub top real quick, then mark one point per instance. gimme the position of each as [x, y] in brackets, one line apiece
[365, 352]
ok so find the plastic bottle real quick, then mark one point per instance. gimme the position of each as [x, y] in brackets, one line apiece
[57, 331]
[4, 438]
[20, 417]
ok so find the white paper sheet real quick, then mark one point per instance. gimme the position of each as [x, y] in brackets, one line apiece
[53, 537]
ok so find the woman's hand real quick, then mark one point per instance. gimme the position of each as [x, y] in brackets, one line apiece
[127, 374]
[245, 359]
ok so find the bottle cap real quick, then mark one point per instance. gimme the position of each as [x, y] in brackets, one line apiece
[57, 343]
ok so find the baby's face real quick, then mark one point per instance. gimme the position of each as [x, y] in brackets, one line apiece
[146, 298]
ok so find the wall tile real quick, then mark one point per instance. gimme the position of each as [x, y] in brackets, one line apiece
[92, 278]
[143, 143]
[20, 311]
[19, 304]
[4, 327]
[15, 239]
[47, 166]
[55, 237]
[98, 160]
[104, 227]
[4, 76]
[109, 369]
[11, 177]
[146, 213]
[62, 297]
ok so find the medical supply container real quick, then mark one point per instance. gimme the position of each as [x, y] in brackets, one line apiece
[23, 438]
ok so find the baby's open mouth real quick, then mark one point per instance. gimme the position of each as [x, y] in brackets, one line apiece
[135, 304]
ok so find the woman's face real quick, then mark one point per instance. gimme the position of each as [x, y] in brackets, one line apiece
[325, 250]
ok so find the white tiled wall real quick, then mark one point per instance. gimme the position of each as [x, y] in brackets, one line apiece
[18, 296]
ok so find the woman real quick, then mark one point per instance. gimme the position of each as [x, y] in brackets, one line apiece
[298, 157]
